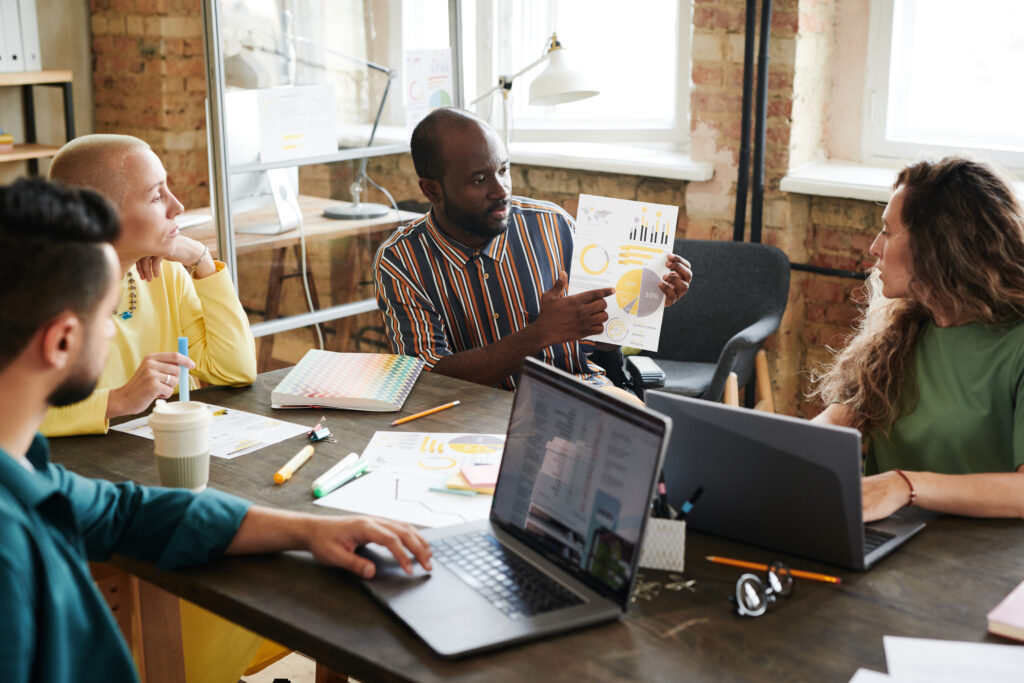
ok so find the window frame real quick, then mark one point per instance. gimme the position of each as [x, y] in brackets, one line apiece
[677, 134]
[879, 150]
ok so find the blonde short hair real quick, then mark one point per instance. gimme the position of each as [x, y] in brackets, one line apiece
[96, 162]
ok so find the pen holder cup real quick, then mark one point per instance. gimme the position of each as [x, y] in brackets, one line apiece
[664, 545]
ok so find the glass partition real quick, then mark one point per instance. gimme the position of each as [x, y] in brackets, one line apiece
[301, 94]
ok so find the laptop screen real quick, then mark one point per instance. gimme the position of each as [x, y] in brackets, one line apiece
[577, 476]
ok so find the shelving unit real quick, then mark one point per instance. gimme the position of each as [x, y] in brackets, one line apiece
[31, 150]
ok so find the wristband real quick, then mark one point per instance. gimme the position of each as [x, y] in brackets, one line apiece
[192, 268]
[913, 493]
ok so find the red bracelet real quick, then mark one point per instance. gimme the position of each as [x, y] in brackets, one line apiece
[913, 493]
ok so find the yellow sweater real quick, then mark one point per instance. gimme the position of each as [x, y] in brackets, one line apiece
[220, 343]
[173, 305]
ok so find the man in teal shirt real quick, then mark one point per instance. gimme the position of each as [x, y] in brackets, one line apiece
[58, 288]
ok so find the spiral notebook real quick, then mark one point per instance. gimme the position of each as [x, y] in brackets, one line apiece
[349, 381]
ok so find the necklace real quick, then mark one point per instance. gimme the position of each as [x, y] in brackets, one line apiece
[131, 299]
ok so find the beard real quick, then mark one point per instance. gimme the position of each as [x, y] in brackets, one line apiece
[476, 224]
[72, 390]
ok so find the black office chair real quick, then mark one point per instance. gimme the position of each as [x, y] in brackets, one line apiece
[736, 300]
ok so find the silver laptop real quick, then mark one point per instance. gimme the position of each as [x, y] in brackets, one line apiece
[779, 482]
[561, 547]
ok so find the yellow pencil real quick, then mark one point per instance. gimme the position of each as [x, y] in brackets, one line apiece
[438, 409]
[797, 573]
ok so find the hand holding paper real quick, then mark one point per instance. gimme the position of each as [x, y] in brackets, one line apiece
[571, 318]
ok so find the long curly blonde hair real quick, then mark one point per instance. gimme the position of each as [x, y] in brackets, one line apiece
[966, 232]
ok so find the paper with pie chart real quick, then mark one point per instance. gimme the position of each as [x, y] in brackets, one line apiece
[624, 244]
[408, 471]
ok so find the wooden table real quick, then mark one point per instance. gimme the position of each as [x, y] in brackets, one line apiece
[347, 264]
[940, 585]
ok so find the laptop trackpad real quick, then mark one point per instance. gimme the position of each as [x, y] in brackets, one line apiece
[388, 567]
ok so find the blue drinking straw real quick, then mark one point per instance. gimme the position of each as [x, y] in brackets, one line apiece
[183, 370]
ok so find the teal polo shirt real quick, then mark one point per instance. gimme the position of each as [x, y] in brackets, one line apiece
[54, 624]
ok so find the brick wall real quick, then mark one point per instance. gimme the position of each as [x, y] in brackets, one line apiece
[149, 82]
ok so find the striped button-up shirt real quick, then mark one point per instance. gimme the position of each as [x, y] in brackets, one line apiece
[440, 297]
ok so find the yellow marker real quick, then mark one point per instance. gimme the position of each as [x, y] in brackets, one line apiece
[297, 461]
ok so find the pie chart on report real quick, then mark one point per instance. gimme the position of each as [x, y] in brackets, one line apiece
[637, 292]
[476, 443]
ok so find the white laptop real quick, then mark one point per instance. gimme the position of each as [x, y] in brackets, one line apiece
[561, 548]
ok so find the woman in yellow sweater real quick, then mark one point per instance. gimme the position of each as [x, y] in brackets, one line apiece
[170, 287]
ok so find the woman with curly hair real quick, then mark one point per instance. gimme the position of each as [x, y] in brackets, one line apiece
[934, 374]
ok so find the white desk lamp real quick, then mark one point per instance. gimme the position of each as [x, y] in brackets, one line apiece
[557, 84]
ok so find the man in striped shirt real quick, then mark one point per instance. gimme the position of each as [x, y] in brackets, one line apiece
[479, 283]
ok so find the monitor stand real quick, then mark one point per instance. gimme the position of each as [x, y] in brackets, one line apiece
[286, 203]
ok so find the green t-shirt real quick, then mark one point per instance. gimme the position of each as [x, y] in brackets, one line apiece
[970, 398]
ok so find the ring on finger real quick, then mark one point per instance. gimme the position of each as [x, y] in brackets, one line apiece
[167, 379]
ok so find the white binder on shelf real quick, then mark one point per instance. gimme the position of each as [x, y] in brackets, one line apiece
[33, 60]
[11, 26]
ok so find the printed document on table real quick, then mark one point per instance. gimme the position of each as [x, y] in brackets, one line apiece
[624, 244]
[936, 661]
[232, 432]
[408, 471]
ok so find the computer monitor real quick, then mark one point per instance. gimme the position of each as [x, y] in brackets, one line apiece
[255, 190]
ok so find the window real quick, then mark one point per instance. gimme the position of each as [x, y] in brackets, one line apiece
[944, 77]
[638, 52]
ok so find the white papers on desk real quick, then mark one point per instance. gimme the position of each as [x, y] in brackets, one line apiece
[232, 432]
[405, 466]
[624, 244]
[919, 660]
[937, 661]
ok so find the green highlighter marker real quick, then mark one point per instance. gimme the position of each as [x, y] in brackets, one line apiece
[349, 468]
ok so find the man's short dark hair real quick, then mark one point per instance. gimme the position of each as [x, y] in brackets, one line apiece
[425, 144]
[51, 258]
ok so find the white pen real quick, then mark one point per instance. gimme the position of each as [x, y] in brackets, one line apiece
[320, 483]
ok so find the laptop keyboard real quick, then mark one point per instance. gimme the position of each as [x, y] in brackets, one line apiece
[508, 582]
[874, 538]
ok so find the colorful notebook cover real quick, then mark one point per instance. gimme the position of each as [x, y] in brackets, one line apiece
[350, 381]
[1007, 618]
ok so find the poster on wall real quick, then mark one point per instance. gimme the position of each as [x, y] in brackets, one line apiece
[426, 83]
[624, 244]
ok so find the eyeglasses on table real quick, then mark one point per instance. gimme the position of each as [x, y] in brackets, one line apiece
[753, 595]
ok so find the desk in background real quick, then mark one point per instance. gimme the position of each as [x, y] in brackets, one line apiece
[939, 585]
[349, 260]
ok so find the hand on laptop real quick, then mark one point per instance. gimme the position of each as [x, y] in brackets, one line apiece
[883, 494]
[333, 541]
